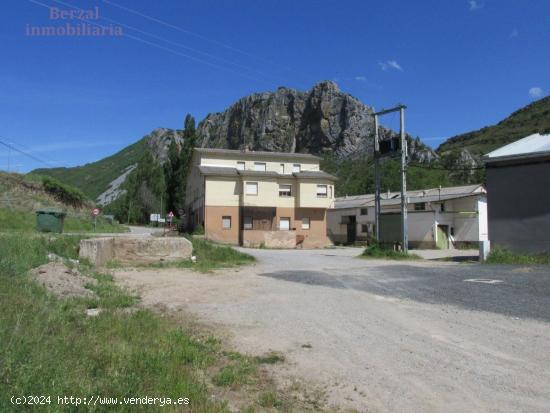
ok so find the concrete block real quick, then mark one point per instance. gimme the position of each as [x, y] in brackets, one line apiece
[131, 250]
[97, 250]
[149, 250]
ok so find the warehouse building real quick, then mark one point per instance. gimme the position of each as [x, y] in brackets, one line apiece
[518, 182]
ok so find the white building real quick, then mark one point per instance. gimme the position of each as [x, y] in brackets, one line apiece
[437, 217]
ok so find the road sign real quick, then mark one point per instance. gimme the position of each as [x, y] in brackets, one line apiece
[95, 212]
[154, 217]
[170, 214]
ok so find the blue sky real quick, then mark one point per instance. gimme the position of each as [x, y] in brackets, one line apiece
[457, 64]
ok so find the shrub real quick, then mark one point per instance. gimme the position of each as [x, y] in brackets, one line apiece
[199, 230]
[64, 193]
[376, 251]
[499, 255]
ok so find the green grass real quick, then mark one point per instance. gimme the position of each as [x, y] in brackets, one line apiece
[530, 119]
[210, 256]
[17, 220]
[94, 178]
[377, 252]
[51, 347]
[500, 255]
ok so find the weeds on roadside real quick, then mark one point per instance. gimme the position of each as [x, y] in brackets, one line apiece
[376, 251]
[499, 255]
[209, 256]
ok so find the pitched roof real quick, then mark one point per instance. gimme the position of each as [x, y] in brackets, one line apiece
[531, 146]
[314, 174]
[414, 197]
[253, 154]
[217, 170]
[231, 171]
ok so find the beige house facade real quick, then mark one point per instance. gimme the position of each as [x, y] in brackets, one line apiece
[251, 198]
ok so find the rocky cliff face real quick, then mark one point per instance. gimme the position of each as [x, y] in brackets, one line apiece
[159, 141]
[321, 120]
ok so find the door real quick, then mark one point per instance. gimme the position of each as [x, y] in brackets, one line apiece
[352, 229]
[443, 237]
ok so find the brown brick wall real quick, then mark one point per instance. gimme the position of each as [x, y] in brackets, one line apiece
[213, 228]
[316, 235]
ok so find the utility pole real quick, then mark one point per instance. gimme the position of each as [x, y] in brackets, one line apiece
[377, 155]
[376, 179]
[404, 226]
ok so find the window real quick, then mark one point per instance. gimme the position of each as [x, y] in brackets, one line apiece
[247, 222]
[296, 167]
[305, 223]
[284, 224]
[285, 190]
[282, 168]
[442, 208]
[226, 222]
[259, 166]
[240, 166]
[365, 228]
[421, 206]
[252, 188]
[364, 211]
[321, 191]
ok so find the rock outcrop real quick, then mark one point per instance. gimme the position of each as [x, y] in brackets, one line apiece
[321, 120]
[159, 141]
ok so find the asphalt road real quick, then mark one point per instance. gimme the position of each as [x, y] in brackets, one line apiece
[514, 291]
[416, 336]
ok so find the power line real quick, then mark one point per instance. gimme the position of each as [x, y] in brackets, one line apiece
[7, 145]
[162, 47]
[210, 55]
[189, 32]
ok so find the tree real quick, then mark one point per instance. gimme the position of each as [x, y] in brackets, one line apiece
[184, 164]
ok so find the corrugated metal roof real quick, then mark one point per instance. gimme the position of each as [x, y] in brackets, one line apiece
[292, 155]
[532, 144]
[414, 197]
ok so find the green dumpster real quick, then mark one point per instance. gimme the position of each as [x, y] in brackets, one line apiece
[50, 220]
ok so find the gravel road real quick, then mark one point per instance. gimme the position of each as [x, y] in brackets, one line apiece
[412, 336]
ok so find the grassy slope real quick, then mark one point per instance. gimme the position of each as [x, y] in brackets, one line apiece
[21, 196]
[531, 119]
[93, 178]
[50, 347]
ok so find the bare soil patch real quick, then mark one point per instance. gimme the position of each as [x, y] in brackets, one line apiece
[62, 281]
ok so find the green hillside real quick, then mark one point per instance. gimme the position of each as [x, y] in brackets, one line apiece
[93, 178]
[530, 119]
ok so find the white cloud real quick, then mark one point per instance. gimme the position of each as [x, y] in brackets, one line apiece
[475, 5]
[513, 33]
[390, 64]
[535, 92]
[361, 78]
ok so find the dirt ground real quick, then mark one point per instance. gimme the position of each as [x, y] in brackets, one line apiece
[378, 335]
[62, 281]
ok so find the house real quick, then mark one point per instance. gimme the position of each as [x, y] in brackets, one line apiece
[518, 182]
[250, 198]
[437, 217]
